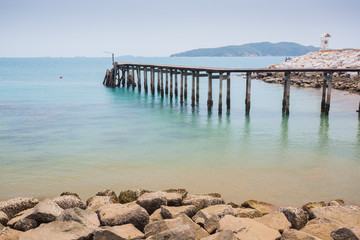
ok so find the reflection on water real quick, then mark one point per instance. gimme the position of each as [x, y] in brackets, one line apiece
[324, 134]
[285, 132]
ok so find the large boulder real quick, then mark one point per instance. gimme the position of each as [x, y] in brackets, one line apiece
[168, 212]
[180, 191]
[3, 218]
[25, 224]
[181, 227]
[262, 207]
[224, 235]
[247, 229]
[296, 216]
[309, 206]
[321, 228]
[348, 215]
[131, 195]
[109, 193]
[7, 233]
[44, 212]
[156, 216]
[352, 233]
[84, 217]
[173, 198]
[152, 201]
[202, 201]
[96, 202]
[276, 220]
[293, 234]
[209, 217]
[337, 202]
[69, 201]
[13, 206]
[247, 213]
[58, 230]
[120, 214]
[127, 231]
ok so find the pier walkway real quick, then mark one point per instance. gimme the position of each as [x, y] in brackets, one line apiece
[125, 74]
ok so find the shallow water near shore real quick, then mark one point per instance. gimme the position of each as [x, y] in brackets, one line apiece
[74, 134]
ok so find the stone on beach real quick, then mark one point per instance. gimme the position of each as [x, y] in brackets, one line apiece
[247, 229]
[309, 206]
[25, 224]
[209, 217]
[293, 234]
[224, 235]
[127, 231]
[348, 215]
[109, 193]
[156, 216]
[181, 227]
[58, 230]
[352, 233]
[69, 201]
[276, 220]
[247, 213]
[169, 212]
[7, 233]
[337, 202]
[202, 201]
[296, 216]
[131, 195]
[119, 214]
[84, 217]
[321, 228]
[262, 207]
[152, 201]
[96, 202]
[16, 205]
[44, 212]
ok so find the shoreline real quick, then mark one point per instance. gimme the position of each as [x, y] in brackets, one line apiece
[172, 214]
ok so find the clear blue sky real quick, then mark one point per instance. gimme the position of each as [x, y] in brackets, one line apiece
[65, 28]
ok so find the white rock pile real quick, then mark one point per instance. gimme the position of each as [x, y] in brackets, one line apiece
[172, 215]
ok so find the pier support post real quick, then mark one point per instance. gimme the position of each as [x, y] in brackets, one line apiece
[286, 98]
[118, 77]
[220, 92]
[139, 78]
[328, 97]
[158, 81]
[145, 80]
[128, 80]
[323, 97]
[171, 85]
[167, 82]
[185, 93]
[248, 93]
[176, 83]
[193, 89]
[197, 86]
[162, 83]
[228, 91]
[124, 76]
[182, 87]
[359, 110]
[152, 81]
[210, 101]
[133, 77]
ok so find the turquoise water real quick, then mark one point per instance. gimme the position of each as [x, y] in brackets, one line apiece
[74, 134]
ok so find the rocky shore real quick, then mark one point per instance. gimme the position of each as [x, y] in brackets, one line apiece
[173, 214]
[348, 81]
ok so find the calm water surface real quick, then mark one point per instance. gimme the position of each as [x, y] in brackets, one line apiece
[74, 134]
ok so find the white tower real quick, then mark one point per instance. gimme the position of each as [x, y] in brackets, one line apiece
[324, 44]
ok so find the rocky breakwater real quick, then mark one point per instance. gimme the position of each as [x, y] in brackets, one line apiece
[173, 215]
[348, 81]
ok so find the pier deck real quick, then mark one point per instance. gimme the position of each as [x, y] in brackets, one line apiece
[130, 71]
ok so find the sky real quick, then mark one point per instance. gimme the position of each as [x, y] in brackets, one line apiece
[69, 28]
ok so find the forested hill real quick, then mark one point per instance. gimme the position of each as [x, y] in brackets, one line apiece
[251, 49]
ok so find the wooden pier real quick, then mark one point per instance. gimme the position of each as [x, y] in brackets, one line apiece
[174, 73]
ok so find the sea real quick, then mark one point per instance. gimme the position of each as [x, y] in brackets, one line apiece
[62, 130]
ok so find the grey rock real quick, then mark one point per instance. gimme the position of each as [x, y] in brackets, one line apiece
[13, 206]
[321, 228]
[69, 201]
[44, 212]
[225, 235]
[169, 212]
[58, 230]
[202, 201]
[247, 213]
[296, 216]
[311, 205]
[156, 216]
[181, 227]
[25, 224]
[152, 201]
[84, 217]
[262, 207]
[348, 215]
[123, 232]
[293, 234]
[344, 234]
[3, 218]
[131, 195]
[173, 198]
[247, 229]
[120, 214]
[96, 202]
[110, 193]
[181, 191]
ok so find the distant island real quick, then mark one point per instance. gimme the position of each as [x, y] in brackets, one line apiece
[251, 49]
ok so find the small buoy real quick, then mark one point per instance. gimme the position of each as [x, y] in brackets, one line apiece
[60, 77]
